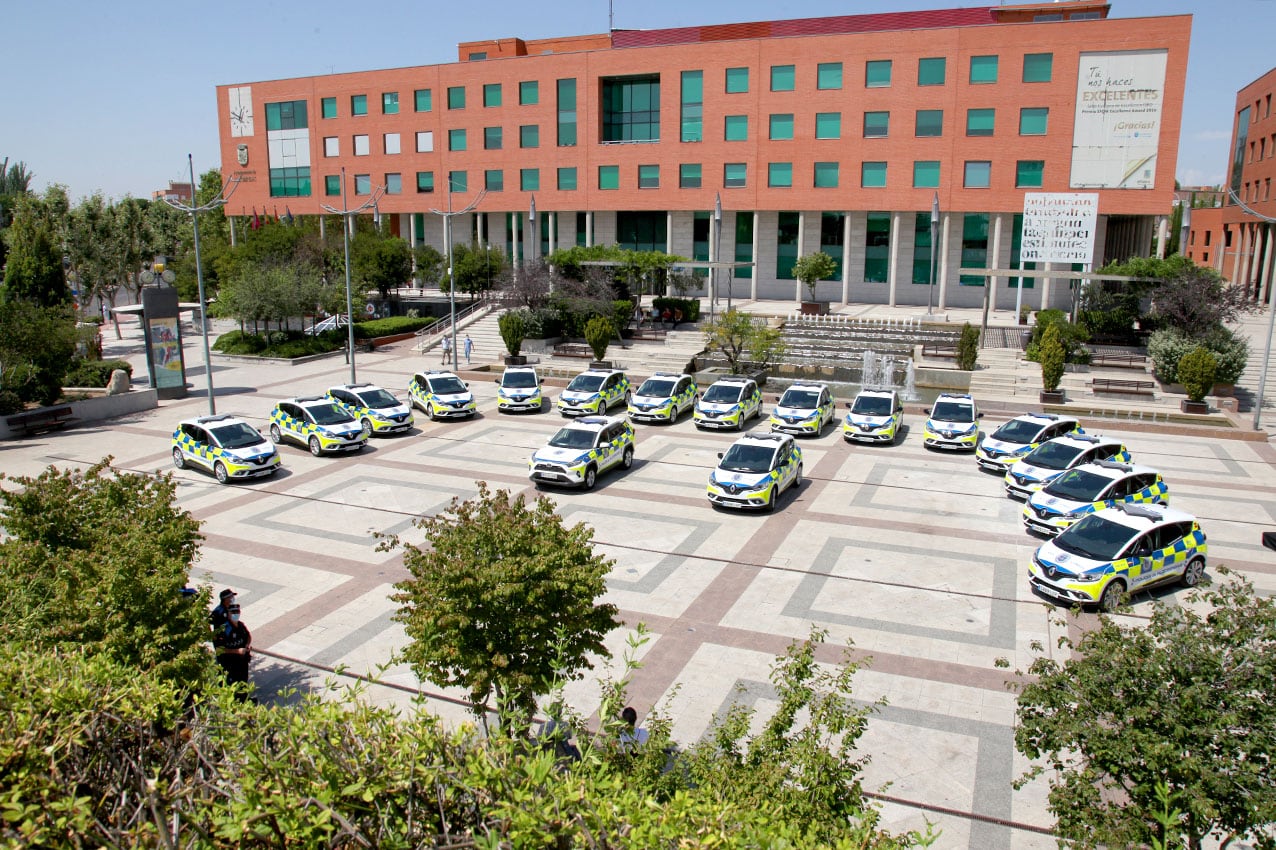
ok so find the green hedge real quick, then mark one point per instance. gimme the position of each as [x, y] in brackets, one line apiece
[93, 373]
[690, 307]
[392, 326]
[1167, 346]
[280, 343]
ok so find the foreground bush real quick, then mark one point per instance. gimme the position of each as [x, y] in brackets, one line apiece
[94, 373]
[280, 343]
[1168, 346]
[390, 326]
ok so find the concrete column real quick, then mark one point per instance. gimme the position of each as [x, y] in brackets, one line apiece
[801, 244]
[1045, 286]
[551, 224]
[1238, 235]
[669, 232]
[323, 230]
[1162, 235]
[994, 255]
[944, 228]
[1265, 276]
[589, 229]
[846, 257]
[897, 237]
[757, 269]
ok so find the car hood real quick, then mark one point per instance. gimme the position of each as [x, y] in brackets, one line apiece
[944, 425]
[862, 419]
[991, 444]
[741, 479]
[552, 454]
[578, 395]
[1055, 503]
[394, 410]
[1052, 556]
[799, 412]
[454, 397]
[717, 406]
[1036, 473]
[518, 392]
[263, 449]
[654, 400]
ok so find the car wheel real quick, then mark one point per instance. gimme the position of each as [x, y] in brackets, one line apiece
[591, 475]
[315, 448]
[276, 436]
[1112, 595]
[627, 459]
[179, 459]
[797, 479]
[219, 470]
[366, 424]
[429, 412]
[1194, 573]
[770, 501]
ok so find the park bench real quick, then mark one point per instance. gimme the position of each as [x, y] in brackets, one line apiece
[1125, 359]
[939, 349]
[574, 349]
[1113, 385]
[41, 419]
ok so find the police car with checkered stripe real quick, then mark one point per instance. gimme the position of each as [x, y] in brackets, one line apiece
[318, 423]
[876, 416]
[663, 398]
[952, 423]
[377, 410]
[594, 391]
[582, 450]
[519, 390]
[226, 446]
[442, 395]
[1051, 459]
[755, 471]
[1021, 435]
[804, 410]
[1116, 551]
[1089, 488]
[728, 403]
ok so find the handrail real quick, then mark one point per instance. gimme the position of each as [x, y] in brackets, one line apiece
[428, 333]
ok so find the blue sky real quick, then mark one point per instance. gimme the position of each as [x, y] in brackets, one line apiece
[113, 96]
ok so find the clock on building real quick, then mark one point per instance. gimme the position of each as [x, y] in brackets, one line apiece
[241, 111]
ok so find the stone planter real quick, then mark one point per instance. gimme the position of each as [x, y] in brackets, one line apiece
[600, 364]
[1052, 397]
[515, 360]
[1189, 406]
[815, 308]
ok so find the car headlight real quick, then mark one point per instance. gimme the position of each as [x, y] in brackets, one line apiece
[1088, 578]
[1074, 514]
[972, 429]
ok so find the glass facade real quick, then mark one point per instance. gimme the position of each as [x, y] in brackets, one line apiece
[782, 127]
[736, 128]
[529, 93]
[983, 69]
[974, 247]
[390, 103]
[926, 174]
[288, 115]
[743, 244]
[828, 125]
[786, 244]
[529, 179]
[877, 125]
[529, 136]
[425, 181]
[567, 112]
[1029, 173]
[631, 109]
[832, 238]
[828, 75]
[932, 71]
[978, 174]
[456, 97]
[782, 77]
[649, 177]
[493, 138]
[494, 180]
[689, 176]
[930, 123]
[692, 107]
[877, 248]
[1038, 67]
[566, 179]
[492, 94]
[328, 107]
[873, 175]
[358, 104]
[826, 174]
[424, 100]
[779, 175]
[921, 248]
[642, 230]
[735, 175]
[609, 177]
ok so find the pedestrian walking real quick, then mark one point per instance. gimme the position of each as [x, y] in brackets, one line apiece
[469, 349]
[447, 347]
[234, 644]
[218, 617]
[632, 735]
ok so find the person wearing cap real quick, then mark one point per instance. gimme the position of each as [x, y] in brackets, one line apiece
[234, 644]
[218, 618]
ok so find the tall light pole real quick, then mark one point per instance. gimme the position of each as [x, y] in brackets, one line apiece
[220, 200]
[717, 250]
[447, 237]
[533, 244]
[346, 218]
[934, 247]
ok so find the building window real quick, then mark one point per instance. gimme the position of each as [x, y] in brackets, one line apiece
[609, 177]
[832, 240]
[494, 180]
[877, 73]
[828, 75]
[425, 181]
[782, 78]
[735, 175]
[456, 97]
[974, 247]
[781, 127]
[926, 174]
[492, 94]
[978, 174]
[828, 125]
[932, 71]
[1033, 120]
[529, 136]
[700, 241]
[877, 125]
[643, 230]
[331, 146]
[877, 248]
[363, 184]
[288, 115]
[649, 177]
[930, 123]
[391, 143]
[425, 141]
[1029, 173]
[737, 80]
[786, 244]
[328, 107]
[493, 138]
[358, 104]
[1038, 67]
[290, 182]
[779, 175]
[980, 122]
[458, 181]
[983, 69]
[736, 128]
[567, 113]
[692, 106]
[689, 176]
[424, 100]
[826, 175]
[456, 140]
[921, 248]
[873, 175]
[390, 103]
[394, 184]
[744, 245]
[529, 179]
[332, 184]
[566, 179]
[631, 109]
[361, 147]
[529, 93]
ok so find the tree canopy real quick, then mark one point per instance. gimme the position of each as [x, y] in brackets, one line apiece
[744, 340]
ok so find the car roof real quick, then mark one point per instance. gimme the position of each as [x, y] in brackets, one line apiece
[212, 421]
[436, 373]
[520, 369]
[1113, 470]
[594, 423]
[355, 388]
[808, 385]
[765, 439]
[307, 399]
[1141, 517]
[1043, 418]
[875, 393]
[733, 379]
[955, 397]
[603, 372]
[675, 375]
[1086, 440]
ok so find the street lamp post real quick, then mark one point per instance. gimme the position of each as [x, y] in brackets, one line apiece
[934, 247]
[447, 237]
[346, 218]
[717, 252]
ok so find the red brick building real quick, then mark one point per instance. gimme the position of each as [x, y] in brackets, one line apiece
[829, 134]
[1249, 215]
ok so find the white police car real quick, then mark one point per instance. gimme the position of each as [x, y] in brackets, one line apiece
[520, 389]
[1051, 459]
[1116, 551]
[804, 409]
[1021, 435]
[318, 423]
[663, 397]
[583, 449]
[755, 471]
[1091, 487]
[594, 391]
[442, 395]
[876, 416]
[728, 403]
[226, 446]
[377, 410]
[952, 423]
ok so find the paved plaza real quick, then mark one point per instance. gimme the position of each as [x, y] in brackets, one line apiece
[913, 557]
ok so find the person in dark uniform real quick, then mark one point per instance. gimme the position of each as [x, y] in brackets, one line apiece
[218, 618]
[234, 644]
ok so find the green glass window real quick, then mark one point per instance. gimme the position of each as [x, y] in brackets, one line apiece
[974, 247]
[978, 174]
[877, 248]
[926, 174]
[609, 177]
[932, 71]
[743, 244]
[786, 244]
[642, 230]
[1029, 173]
[529, 92]
[779, 175]
[332, 184]
[1038, 67]
[735, 175]
[529, 179]
[921, 248]
[529, 136]
[1033, 120]
[737, 80]
[329, 107]
[833, 240]
[363, 184]
[980, 122]
[700, 240]
[736, 128]
[567, 112]
[425, 181]
[983, 69]
[493, 138]
[358, 104]
[930, 123]
[567, 179]
[649, 177]
[782, 77]
[390, 103]
[828, 75]
[491, 94]
[458, 181]
[456, 97]
[828, 125]
[631, 109]
[456, 140]
[689, 175]
[826, 175]
[1016, 255]
[877, 73]
[424, 100]
[873, 175]
[692, 117]
[877, 125]
[394, 184]
[494, 180]
[781, 127]
[288, 115]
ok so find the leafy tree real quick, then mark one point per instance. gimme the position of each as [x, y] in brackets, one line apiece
[745, 341]
[1183, 701]
[513, 329]
[631, 273]
[499, 583]
[1187, 297]
[1071, 337]
[533, 286]
[813, 268]
[1051, 356]
[270, 294]
[1196, 372]
[380, 262]
[15, 182]
[598, 333]
[36, 346]
[476, 268]
[33, 268]
[430, 264]
[968, 347]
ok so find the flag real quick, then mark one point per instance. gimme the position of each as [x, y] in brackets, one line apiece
[256, 220]
[287, 215]
[276, 213]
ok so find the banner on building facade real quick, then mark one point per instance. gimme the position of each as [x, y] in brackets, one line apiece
[1117, 130]
[1058, 227]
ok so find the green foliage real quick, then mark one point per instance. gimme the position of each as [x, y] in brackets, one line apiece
[745, 341]
[1180, 702]
[390, 326]
[632, 272]
[269, 293]
[598, 334]
[380, 262]
[812, 268]
[513, 329]
[498, 580]
[1189, 298]
[36, 344]
[968, 348]
[1071, 337]
[690, 307]
[1050, 354]
[280, 343]
[94, 373]
[430, 265]
[1196, 372]
[33, 268]
[1167, 347]
[476, 269]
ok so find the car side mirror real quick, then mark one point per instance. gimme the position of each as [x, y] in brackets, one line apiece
[719, 455]
[849, 404]
[1269, 539]
[926, 410]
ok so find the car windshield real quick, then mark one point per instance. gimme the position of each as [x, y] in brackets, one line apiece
[953, 411]
[723, 393]
[328, 414]
[447, 386]
[377, 399]
[1095, 537]
[1077, 485]
[518, 380]
[803, 399]
[573, 438]
[747, 458]
[1017, 431]
[662, 388]
[1053, 455]
[236, 436]
[586, 383]
[872, 405]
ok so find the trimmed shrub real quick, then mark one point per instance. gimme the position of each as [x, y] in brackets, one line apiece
[1071, 337]
[1167, 346]
[598, 333]
[1196, 372]
[1051, 356]
[968, 348]
[391, 326]
[10, 402]
[513, 329]
[291, 344]
[93, 373]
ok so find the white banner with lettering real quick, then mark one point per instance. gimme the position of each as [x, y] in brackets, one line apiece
[1117, 131]
[1058, 227]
